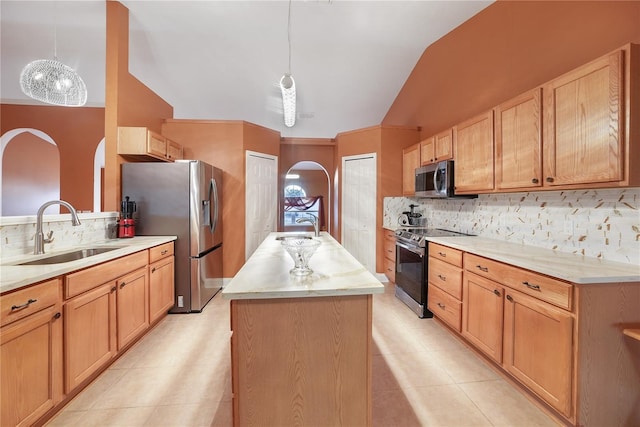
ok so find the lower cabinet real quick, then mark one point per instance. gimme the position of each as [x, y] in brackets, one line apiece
[31, 368]
[389, 247]
[161, 281]
[538, 348]
[132, 310]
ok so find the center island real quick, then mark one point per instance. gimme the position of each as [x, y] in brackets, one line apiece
[301, 346]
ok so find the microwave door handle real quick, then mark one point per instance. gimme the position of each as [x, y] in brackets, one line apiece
[436, 175]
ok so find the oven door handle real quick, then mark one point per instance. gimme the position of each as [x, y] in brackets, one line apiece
[415, 250]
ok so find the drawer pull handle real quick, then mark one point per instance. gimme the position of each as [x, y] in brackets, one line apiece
[497, 292]
[25, 305]
[509, 298]
[164, 252]
[442, 306]
[442, 254]
[481, 268]
[530, 286]
[443, 278]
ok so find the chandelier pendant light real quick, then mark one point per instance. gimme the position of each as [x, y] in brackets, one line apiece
[288, 85]
[52, 82]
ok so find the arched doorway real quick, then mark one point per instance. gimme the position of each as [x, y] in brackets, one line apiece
[307, 181]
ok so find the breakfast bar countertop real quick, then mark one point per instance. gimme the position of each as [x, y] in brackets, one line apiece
[335, 273]
[14, 276]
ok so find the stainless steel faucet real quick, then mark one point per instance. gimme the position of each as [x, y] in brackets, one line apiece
[40, 239]
[313, 221]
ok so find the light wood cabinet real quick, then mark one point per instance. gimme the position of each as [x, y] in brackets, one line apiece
[161, 281]
[519, 142]
[437, 148]
[410, 161]
[584, 124]
[31, 372]
[389, 247]
[90, 333]
[107, 308]
[445, 284]
[538, 348]
[143, 144]
[428, 151]
[474, 155]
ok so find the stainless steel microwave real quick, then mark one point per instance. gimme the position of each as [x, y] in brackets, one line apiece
[435, 181]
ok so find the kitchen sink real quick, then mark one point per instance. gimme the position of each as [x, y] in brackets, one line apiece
[294, 236]
[70, 256]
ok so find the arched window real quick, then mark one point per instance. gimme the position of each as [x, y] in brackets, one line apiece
[294, 190]
[297, 205]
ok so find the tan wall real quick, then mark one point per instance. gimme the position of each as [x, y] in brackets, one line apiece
[77, 133]
[506, 49]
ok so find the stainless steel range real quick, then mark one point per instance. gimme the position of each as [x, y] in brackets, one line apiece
[412, 263]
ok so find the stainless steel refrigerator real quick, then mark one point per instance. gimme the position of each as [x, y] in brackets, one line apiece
[182, 198]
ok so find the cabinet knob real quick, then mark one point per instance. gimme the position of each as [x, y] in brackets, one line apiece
[57, 315]
[509, 298]
[122, 285]
[114, 289]
[153, 270]
[441, 277]
[549, 179]
[497, 292]
[535, 180]
[442, 306]
[164, 252]
[481, 268]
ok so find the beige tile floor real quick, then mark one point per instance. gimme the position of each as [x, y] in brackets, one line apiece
[179, 375]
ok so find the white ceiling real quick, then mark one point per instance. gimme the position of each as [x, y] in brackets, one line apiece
[222, 60]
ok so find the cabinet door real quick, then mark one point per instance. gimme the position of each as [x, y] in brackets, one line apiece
[444, 145]
[161, 287]
[428, 151]
[538, 348]
[482, 302]
[583, 124]
[174, 150]
[156, 145]
[90, 333]
[519, 142]
[410, 161]
[473, 151]
[31, 368]
[132, 308]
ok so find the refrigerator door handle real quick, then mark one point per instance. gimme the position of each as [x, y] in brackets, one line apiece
[206, 204]
[214, 188]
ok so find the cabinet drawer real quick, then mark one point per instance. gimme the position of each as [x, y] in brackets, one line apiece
[545, 288]
[446, 254]
[161, 251]
[23, 302]
[446, 277]
[390, 249]
[81, 281]
[390, 269]
[444, 306]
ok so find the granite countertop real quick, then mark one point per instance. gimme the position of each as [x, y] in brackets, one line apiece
[335, 273]
[566, 266]
[14, 276]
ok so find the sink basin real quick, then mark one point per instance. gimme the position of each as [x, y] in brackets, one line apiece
[294, 236]
[69, 256]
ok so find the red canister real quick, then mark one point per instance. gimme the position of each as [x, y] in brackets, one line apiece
[126, 227]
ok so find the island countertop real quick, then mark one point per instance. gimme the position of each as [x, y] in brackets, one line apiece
[335, 273]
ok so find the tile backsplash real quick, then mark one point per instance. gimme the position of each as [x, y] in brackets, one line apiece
[602, 223]
[17, 233]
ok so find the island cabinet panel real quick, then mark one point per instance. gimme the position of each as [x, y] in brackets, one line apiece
[538, 348]
[584, 128]
[302, 361]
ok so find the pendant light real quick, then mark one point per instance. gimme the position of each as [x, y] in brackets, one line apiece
[288, 85]
[52, 82]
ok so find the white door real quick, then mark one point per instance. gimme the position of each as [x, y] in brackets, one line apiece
[359, 208]
[261, 203]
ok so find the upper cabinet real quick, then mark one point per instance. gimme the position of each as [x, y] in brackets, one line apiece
[519, 142]
[584, 124]
[437, 148]
[473, 153]
[410, 161]
[146, 145]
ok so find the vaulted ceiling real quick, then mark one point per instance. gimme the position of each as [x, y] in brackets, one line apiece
[223, 59]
